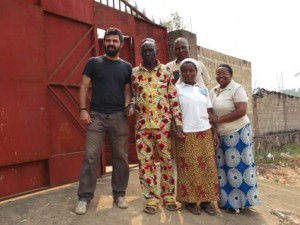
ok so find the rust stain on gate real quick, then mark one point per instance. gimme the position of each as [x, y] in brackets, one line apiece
[44, 48]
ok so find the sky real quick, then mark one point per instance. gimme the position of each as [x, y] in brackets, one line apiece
[263, 32]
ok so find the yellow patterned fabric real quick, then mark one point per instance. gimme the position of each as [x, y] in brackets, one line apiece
[155, 98]
[197, 178]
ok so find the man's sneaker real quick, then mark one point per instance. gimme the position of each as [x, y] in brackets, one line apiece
[81, 207]
[121, 202]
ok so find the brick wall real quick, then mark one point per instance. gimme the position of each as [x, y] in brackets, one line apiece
[241, 71]
[275, 113]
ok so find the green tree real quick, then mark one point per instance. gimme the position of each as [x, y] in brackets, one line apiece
[174, 23]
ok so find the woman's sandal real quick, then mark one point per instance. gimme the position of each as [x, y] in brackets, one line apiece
[233, 210]
[193, 208]
[208, 208]
[151, 206]
[169, 203]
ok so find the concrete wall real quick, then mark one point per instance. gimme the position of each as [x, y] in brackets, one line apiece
[241, 71]
[269, 142]
[275, 113]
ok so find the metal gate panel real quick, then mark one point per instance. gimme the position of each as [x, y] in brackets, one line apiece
[67, 52]
[67, 135]
[69, 44]
[23, 104]
[80, 10]
[106, 16]
[65, 168]
[23, 178]
[23, 93]
[35, 2]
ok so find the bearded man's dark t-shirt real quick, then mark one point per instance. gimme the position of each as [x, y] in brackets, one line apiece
[108, 78]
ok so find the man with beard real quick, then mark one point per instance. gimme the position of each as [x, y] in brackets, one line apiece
[110, 77]
[156, 104]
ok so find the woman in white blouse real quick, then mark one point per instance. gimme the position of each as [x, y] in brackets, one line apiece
[236, 168]
[197, 180]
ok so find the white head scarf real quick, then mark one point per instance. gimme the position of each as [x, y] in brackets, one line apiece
[198, 78]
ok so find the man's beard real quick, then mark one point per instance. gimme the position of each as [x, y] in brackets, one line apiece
[112, 51]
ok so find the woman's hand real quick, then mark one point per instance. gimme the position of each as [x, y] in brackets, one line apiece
[179, 132]
[212, 118]
[239, 112]
[216, 141]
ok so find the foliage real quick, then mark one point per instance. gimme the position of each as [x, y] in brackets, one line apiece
[174, 23]
[280, 155]
[292, 92]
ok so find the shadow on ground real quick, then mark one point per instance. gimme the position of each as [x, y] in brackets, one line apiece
[56, 206]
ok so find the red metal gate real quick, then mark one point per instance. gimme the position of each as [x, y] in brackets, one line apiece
[69, 43]
[41, 138]
[44, 47]
[23, 99]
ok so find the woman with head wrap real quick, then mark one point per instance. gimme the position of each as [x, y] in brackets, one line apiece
[197, 180]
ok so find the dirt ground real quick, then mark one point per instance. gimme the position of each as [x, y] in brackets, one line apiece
[279, 188]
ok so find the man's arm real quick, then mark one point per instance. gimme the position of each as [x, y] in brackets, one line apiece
[128, 95]
[173, 101]
[205, 75]
[175, 110]
[129, 104]
[83, 91]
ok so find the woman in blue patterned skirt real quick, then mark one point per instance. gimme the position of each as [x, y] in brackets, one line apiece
[235, 161]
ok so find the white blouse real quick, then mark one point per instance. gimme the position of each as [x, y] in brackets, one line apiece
[223, 103]
[194, 101]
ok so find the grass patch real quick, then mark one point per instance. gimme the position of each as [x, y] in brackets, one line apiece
[278, 156]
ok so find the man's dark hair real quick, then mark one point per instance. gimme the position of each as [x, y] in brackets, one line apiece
[228, 68]
[114, 31]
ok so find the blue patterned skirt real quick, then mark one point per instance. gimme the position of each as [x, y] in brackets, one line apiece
[236, 170]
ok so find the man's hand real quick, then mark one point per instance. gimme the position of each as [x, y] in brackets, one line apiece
[85, 117]
[130, 109]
